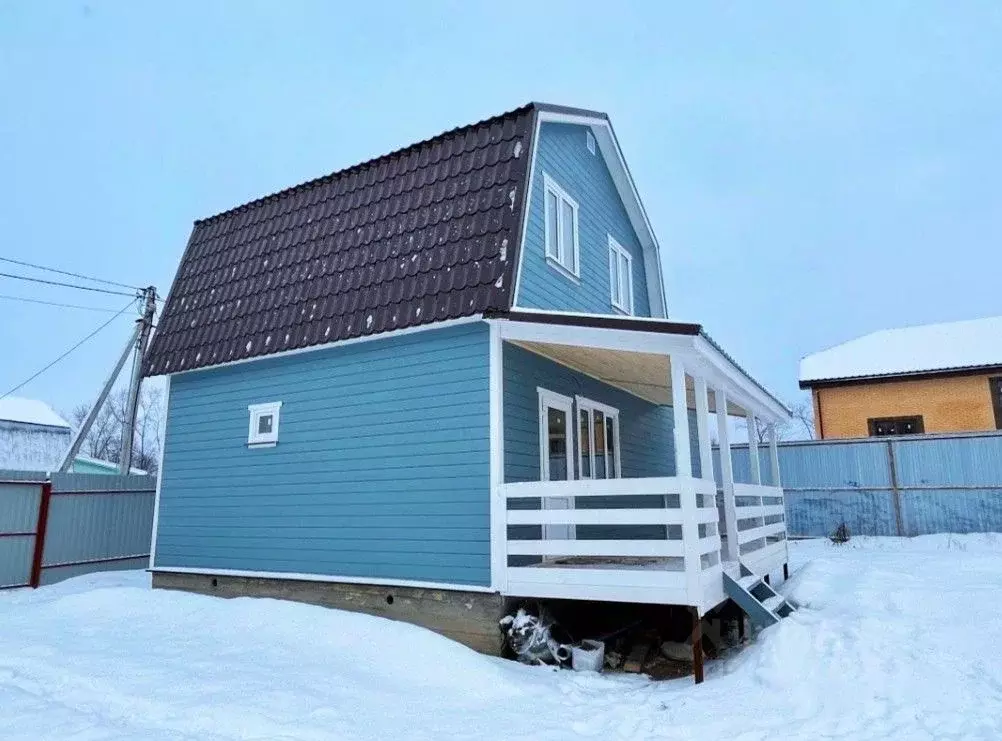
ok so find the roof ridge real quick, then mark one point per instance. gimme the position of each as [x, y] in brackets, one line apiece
[367, 163]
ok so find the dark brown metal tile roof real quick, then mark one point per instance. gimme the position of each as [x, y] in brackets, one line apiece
[424, 234]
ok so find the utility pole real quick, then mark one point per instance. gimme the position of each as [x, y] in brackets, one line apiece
[144, 325]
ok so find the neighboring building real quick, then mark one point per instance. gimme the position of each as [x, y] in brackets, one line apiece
[933, 378]
[443, 378]
[33, 437]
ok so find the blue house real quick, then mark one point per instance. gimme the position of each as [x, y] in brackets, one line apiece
[445, 379]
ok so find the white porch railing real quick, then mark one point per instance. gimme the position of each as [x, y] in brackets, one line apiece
[587, 540]
[761, 523]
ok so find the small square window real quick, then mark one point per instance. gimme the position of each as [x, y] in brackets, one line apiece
[263, 428]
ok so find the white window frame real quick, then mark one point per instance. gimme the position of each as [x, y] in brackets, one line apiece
[583, 404]
[558, 255]
[257, 439]
[552, 400]
[590, 141]
[617, 252]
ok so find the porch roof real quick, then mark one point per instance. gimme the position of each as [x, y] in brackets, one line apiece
[634, 354]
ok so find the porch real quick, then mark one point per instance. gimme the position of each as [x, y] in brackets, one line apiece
[611, 509]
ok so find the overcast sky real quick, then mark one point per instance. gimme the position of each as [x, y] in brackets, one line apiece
[813, 171]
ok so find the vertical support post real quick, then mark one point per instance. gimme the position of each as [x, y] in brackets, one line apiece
[683, 453]
[696, 638]
[686, 488]
[786, 571]
[892, 464]
[145, 324]
[703, 429]
[41, 526]
[498, 503]
[727, 475]
[753, 459]
[774, 455]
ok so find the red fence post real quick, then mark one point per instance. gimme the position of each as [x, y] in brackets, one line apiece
[40, 528]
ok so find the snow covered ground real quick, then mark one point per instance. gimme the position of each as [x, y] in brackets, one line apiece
[898, 640]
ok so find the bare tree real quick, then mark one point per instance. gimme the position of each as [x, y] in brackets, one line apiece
[104, 441]
[799, 427]
[803, 418]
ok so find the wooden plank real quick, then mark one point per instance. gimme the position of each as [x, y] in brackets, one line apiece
[593, 488]
[594, 517]
[640, 548]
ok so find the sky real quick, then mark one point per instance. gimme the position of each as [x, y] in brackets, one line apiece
[813, 171]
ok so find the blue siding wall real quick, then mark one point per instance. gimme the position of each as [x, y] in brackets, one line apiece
[646, 430]
[381, 469]
[562, 154]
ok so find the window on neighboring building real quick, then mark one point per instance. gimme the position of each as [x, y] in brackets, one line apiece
[561, 233]
[995, 385]
[883, 426]
[620, 277]
[263, 428]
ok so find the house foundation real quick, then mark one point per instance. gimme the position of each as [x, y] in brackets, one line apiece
[470, 618]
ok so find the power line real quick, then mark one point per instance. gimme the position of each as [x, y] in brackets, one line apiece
[54, 303]
[41, 371]
[64, 285]
[66, 272]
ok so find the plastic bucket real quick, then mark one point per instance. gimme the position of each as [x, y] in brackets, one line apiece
[588, 656]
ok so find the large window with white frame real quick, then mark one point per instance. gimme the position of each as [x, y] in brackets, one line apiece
[560, 214]
[598, 440]
[620, 277]
[578, 438]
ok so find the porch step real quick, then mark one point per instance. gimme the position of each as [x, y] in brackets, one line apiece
[759, 601]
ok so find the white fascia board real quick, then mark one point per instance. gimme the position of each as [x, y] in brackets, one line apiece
[525, 215]
[629, 340]
[628, 193]
[742, 388]
[160, 473]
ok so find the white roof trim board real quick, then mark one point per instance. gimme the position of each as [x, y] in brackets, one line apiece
[975, 343]
[30, 412]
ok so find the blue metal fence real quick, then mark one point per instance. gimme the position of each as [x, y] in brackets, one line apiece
[888, 486]
[58, 526]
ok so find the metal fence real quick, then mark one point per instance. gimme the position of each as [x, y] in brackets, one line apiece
[912, 485]
[56, 526]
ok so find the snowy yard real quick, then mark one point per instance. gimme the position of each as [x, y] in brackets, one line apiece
[897, 640]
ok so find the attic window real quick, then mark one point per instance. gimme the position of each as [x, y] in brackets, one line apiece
[263, 428]
[590, 141]
[560, 216]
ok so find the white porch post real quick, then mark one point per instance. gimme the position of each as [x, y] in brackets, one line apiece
[687, 491]
[683, 453]
[756, 464]
[726, 475]
[703, 429]
[774, 455]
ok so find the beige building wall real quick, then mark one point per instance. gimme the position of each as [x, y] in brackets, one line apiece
[946, 404]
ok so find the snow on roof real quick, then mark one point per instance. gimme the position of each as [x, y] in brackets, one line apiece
[932, 347]
[30, 411]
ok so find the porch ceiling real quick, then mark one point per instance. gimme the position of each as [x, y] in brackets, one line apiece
[646, 375]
